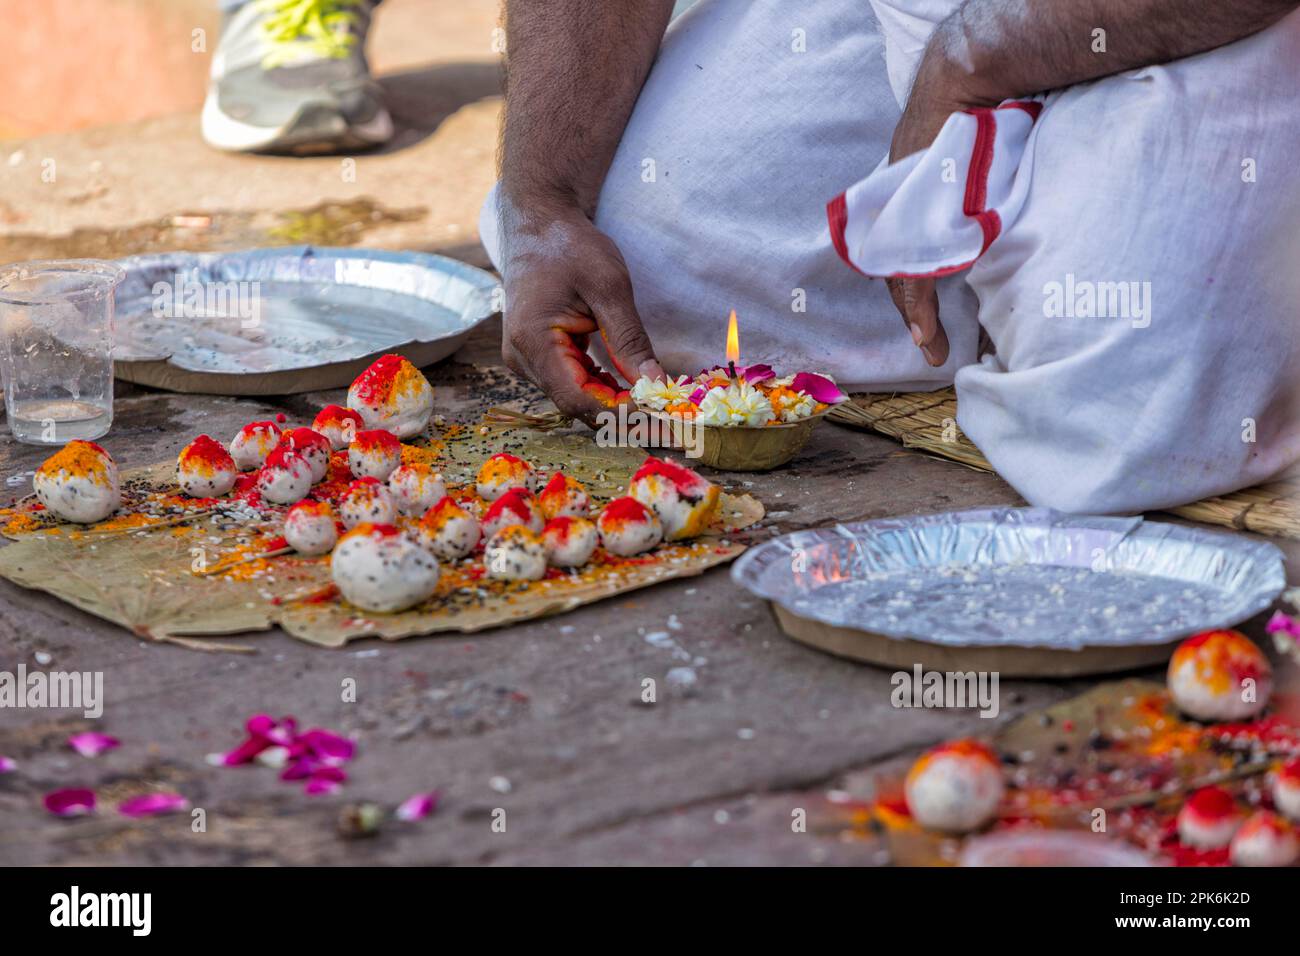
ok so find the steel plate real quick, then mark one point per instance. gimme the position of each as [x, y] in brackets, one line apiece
[1016, 578]
[291, 319]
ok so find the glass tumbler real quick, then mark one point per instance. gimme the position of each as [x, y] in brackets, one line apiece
[56, 348]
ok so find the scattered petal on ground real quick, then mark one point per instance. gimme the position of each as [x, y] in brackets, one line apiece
[70, 803]
[152, 804]
[419, 806]
[316, 755]
[92, 743]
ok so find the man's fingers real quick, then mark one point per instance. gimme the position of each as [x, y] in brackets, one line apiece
[917, 300]
[610, 299]
[552, 363]
[921, 298]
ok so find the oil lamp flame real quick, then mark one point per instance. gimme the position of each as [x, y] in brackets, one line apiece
[733, 344]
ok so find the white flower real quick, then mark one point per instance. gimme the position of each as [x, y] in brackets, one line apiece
[660, 393]
[792, 411]
[737, 404]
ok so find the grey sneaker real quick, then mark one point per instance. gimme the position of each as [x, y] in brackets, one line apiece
[290, 76]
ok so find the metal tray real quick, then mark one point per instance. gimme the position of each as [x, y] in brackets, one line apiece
[289, 319]
[1010, 589]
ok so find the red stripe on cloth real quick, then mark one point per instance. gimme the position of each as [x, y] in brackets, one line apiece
[837, 215]
[1032, 107]
[981, 161]
[973, 203]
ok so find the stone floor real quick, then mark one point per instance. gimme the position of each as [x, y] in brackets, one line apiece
[543, 720]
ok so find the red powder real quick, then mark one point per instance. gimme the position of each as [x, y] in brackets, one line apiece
[282, 456]
[559, 527]
[375, 384]
[366, 529]
[625, 509]
[310, 507]
[557, 486]
[325, 594]
[1212, 804]
[377, 438]
[306, 438]
[516, 500]
[249, 430]
[687, 482]
[205, 451]
[337, 415]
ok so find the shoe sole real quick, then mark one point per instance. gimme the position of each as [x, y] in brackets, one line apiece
[297, 136]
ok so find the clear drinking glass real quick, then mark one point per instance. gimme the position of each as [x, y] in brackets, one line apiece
[56, 348]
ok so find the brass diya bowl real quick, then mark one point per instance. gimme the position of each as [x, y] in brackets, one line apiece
[739, 448]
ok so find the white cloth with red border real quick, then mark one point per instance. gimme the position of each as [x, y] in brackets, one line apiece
[935, 212]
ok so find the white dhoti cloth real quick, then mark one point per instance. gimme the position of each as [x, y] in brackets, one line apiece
[1176, 183]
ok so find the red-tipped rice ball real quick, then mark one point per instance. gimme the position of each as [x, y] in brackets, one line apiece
[955, 787]
[1208, 819]
[1265, 839]
[1220, 676]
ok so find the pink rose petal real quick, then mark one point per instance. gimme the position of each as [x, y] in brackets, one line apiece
[70, 803]
[152, 804]
[753, 374]
[280, 732]
[315, 755]
[1281, 623]
[419, 806]
[821, 388]
[7, 764]
[318, 787]
[697, 396]
[92, 743]
[264, 732]
[300, 769]
[327, 746]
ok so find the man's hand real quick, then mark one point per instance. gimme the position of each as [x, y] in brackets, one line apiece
[574, 69]
[565, 280]
[988, 51]
[935, 96]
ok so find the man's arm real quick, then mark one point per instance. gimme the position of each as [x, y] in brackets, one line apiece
[574, 70]
[991, 50]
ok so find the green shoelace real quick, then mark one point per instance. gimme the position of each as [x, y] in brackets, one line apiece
[308, 29]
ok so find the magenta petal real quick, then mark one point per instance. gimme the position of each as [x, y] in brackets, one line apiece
[152, 804]
[259, 725]
[92, 743]
[329, 746]
[697, 396]
[70, 803]
[300, 769]
[7, 764]
[281, 732]
[753, 374]
[246, 752]
[419, 806]
[316, 787]
[821, 388]
[1284, 624]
